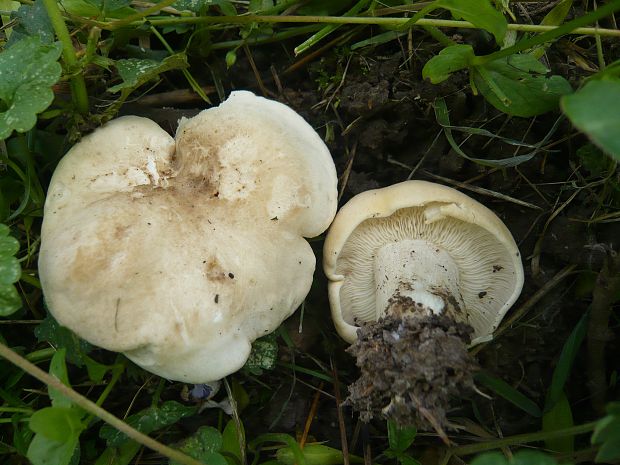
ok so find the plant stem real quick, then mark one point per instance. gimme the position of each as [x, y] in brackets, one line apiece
[40, 355]
[33, 281]
[78, 84]
[93, 408]
[522, 439]
[117, 371]
[16, 410]
[387, 22]
[276, 37]
[190, 79]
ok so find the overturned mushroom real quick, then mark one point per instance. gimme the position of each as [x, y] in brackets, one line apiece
[418, 271]
[180, 253]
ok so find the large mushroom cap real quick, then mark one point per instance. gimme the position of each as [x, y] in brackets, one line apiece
[181, 253]
[490, 273]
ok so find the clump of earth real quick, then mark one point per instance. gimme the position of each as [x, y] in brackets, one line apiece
[411, 368]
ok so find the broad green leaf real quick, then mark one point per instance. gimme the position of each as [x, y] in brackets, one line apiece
[481, 13]
[96, 370]
[231, 442]
[148, 420]
[10, 272]
[204, 445]
[29, 69]
[505, 390]
[400, 438]
[58, 368]
[315, 454]
[32, 21]
[10, 301]
[565, 362]
[44, 451]
[557, 14]
[135, 72]
[57, 423]
[593, 110]
[449, 60]
[559, 417]
[60, 337]
[263, 355]
[519, 85]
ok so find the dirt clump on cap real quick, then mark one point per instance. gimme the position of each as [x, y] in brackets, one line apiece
[411, 368]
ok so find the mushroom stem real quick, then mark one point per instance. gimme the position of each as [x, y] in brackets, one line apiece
[417, 278]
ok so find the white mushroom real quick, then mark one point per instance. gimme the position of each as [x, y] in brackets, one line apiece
[432, 245]
[180, 253]
[414, 270]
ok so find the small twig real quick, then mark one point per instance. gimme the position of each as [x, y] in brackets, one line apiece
[266, 92]
[483, 191]
[344, 445]
[344, 179]
[94, 409]
[311, 415]
[522, 439]
[237, 419]
[428, 415]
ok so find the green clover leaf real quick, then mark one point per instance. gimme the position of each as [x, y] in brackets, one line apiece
[28, 70]
[10, 272]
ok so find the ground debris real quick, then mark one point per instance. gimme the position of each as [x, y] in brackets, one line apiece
[411, 368]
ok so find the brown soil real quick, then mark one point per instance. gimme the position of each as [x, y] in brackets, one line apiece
[411, 368]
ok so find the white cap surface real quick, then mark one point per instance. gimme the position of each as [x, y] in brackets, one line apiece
[490, 273]
[181, 253]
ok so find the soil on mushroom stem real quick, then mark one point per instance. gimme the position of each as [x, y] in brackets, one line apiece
[411, 368]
